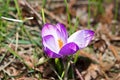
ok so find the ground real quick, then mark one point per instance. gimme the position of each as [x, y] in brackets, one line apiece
[21, 52]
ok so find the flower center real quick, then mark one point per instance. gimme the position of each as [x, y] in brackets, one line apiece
[60, 43]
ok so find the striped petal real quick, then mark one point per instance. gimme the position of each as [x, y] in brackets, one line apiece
[51, 54]
[49, 42]
[82, 38]
[58, 31]
[63, 32]
[49, 29]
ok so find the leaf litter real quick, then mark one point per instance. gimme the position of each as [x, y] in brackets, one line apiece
[99, 61]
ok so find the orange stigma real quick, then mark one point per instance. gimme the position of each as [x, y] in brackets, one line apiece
[60, 43]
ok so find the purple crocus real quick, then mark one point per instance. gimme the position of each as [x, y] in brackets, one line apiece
[57, 44]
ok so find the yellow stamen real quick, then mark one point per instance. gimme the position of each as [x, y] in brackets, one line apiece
[60, 43]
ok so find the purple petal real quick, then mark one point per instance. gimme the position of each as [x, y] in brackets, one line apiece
[49, 29]
[63, 31]
[51, 54]
[69, 49]
[82, 37]
[49, 42]
[57, 31]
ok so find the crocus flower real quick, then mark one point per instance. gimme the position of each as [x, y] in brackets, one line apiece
[57, 44]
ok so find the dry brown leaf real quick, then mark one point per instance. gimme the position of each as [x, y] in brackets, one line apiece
[92, 72]
[26, 78]
[115, 53]
[12, 71]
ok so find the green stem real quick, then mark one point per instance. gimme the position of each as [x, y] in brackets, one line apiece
[18, 9]
[68, 13]
[116, 9]
[66, 71]
[89, 13]
[66, 63]
[43, 16]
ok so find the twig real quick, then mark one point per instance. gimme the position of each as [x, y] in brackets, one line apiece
[8, 74]
[55, 72]
[78, 73]
[105, 75]
[16, 45]
[2, 57]
[55, 17]
[1, 68]
[112, 48]
[35, 12]
[46, 12]
[15, 20]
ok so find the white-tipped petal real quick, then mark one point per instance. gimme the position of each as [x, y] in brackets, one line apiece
[82, 38]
